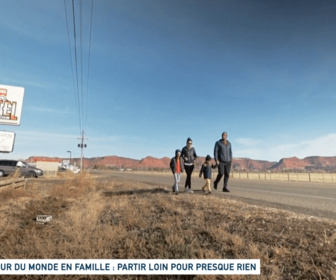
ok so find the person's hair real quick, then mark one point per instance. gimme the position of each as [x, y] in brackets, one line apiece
[189, 139]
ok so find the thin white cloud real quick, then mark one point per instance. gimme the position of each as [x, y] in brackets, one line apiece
[321, 146]
[253, 153]
[48, 110]
[248, 141]
[42, 143]
[43, 138]
[24, 80]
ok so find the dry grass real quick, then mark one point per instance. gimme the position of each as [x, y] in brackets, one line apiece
[120, 220]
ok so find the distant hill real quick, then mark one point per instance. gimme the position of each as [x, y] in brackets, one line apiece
[308, 164]
[315, 163]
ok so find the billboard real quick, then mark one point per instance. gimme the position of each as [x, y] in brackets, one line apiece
[11, 101]
[7, 139]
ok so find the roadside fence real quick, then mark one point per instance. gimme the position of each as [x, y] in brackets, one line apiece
[271, 176]
[14, 182]
[288, 176]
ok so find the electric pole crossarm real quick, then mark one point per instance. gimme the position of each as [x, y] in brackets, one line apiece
[82, 146]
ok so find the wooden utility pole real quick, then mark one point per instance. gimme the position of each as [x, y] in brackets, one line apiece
[82, 146]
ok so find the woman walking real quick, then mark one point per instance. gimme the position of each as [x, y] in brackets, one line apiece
[189, 156]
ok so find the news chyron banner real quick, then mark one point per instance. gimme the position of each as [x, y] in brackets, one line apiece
[130, 267]
[11, 102]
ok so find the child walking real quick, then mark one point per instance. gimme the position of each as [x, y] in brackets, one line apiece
[176, 166]
[207, 172]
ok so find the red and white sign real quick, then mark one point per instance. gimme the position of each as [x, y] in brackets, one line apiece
[11, 102]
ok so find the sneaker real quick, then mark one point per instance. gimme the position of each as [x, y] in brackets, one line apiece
[215, 185]
[190, 191]
[225, 189]
[176, 193]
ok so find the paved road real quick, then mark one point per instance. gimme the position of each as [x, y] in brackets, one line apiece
[315, 199]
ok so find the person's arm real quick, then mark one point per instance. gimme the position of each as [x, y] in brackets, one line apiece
[183, 153]
[216, 153]
[172, 165]
[201, 171]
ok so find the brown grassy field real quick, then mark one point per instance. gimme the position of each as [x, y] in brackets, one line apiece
[122, 220]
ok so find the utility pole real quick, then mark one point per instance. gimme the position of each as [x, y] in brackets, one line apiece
[82, 146]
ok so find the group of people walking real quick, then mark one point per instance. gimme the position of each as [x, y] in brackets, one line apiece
[185, 161]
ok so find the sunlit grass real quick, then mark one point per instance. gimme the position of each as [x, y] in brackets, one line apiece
[119, 220]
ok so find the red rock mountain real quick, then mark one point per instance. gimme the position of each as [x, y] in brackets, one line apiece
[307, 164]
[315, 163]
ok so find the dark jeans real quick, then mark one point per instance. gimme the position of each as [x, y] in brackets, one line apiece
[223, 170]
[188, 169]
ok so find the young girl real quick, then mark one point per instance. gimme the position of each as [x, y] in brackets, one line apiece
[176, 166]
[207, 172]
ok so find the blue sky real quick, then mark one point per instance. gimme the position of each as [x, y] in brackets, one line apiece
[163, 71]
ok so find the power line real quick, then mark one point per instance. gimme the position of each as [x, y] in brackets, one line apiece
[76, 66]
[77, 57]
[89, 64]
[71, 63]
